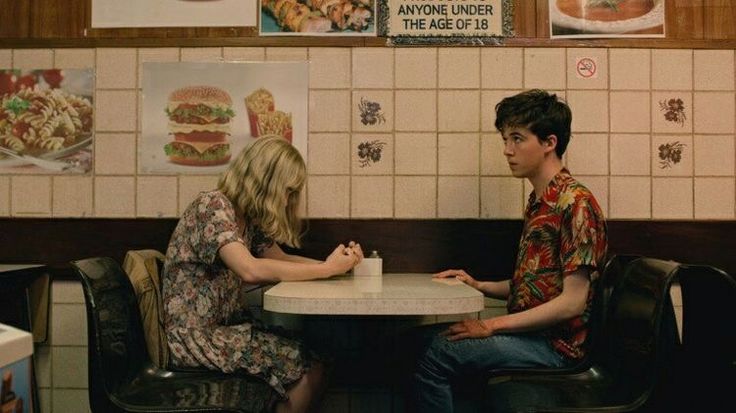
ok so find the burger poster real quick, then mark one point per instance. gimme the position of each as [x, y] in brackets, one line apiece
[198, 116]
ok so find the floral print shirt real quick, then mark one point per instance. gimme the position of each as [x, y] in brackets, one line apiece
[563, 230]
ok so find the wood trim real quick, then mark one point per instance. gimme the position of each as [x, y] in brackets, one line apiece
[486, 248]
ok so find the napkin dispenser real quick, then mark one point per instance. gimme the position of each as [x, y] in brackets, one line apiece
[369, 266]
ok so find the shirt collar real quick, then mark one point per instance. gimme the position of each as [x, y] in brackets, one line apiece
[549, 196]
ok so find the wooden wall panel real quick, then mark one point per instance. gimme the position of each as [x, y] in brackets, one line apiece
[684, 19]
[15, 18]
[719, 18]
[54, 19]
[525, 18]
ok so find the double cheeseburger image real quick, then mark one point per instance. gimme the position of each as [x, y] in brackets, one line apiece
[199, 119]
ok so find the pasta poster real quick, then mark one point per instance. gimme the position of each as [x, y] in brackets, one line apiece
[46, 121]
[199, 116]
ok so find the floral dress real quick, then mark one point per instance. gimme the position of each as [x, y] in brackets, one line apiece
[205, 315]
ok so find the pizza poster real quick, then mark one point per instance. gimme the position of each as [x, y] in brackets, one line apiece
[196, 117]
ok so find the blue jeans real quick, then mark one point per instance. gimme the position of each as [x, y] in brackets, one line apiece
[444, 362]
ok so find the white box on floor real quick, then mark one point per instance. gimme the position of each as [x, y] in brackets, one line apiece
[16, 349]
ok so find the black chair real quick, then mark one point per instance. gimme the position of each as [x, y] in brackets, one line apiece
[122, 377]
[707, 370]
[629, 366]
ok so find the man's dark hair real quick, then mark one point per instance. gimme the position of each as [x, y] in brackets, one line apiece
[544, 114]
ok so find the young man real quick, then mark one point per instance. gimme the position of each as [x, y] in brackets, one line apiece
[562, 246]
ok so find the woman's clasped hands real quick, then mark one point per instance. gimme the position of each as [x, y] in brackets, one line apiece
[344, 258]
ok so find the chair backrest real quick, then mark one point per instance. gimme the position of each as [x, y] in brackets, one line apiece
[116, 345]
[144, 270]
[640, 324]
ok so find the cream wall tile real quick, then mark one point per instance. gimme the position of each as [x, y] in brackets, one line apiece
[244, 54]
[375, 157]
[42, 360]
[416, 153]
[115, 111]
[6, 58]
[630, 68]
[544, 68]
[416, 110]
[714, 198]
[714, 112]
[630, 154]
[416, 68]
[201, 54]
[458, 153]
[74, 58]
[500, 68]
[114, 196]
[630, 198]
[274, 54]
[4, 196]
[333, 107]
[672, 198]
[329, 68]
[154, 55]
[116, 68]
[156, 196]
[488, 102]
[672, 69]
[115, 153]
[71, 401]
[714, 155]
[373, 67]
[589, 109]
[328, 197]
[72, 196]
[598, 185]
[492, 159]
[191, 186]
[26, 59]
[587, 154]
[672, 112]
[501, 198]
[630, 112]
[68, 325]
[672, 155]
[459, 67]
[458, 110]
[69, 366]
[371, 197]
[587, 68]
[31, 195]
[69, 292]
[366, 119]
[329, 153]
[713, 70]
[416, 197]
[457, 197]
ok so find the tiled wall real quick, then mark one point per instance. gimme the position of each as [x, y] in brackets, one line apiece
[653, 132]
[643, 156]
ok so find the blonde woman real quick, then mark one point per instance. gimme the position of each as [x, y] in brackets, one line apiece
[230, 237]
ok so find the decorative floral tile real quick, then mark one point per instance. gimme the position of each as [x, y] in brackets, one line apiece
[372, 154]
[672, 112]
[373, 111]
[672, 155]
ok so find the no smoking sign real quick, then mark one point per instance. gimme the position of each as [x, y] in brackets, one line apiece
[586, 68]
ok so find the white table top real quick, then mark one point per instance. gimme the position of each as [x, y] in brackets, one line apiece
[392, 294]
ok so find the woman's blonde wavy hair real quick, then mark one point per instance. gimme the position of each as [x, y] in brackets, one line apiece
[264, 183]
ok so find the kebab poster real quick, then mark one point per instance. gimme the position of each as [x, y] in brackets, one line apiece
[318, 17]
[46, 121]
[173, 13]
[197, 116]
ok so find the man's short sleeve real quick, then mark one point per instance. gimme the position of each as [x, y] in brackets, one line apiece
[584, 239]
